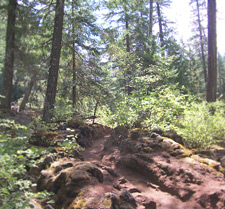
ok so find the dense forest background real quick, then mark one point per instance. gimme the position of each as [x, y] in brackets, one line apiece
[117, 60]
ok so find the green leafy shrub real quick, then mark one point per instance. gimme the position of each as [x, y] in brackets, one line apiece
[203, 124]
[157, 109]
[15, 186]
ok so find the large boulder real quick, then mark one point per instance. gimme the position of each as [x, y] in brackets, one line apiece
[65, 177]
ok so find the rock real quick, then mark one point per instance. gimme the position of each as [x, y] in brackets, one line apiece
[150, 205]
[128, 198]
[213, 200]
[158, 131]
[164, 175]
[173, 135]
[135, 135]
[36, 169]
[134, 190]
[174, 148]
[44, 138]
[117, 186]
[169, 144]
[222, 161]
[122, 180]
[75, 123]
[76, 154]
[123, 200]
[65, 177]
[48, 160]
[218, 154]
[85, 135]
[154, 135]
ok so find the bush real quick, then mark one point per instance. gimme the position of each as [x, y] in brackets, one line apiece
[15, 187]
[203, 124]
[200, 124]
[159, 109]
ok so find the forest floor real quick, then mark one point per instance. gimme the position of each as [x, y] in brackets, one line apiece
[125, 169]
[150, 192]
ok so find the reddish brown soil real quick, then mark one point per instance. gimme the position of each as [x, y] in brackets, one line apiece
[147, 191]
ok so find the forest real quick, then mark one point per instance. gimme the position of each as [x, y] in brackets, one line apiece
[78, 74]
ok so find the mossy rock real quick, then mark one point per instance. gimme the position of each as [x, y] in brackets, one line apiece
[45, 138]
[175, 148]
[75, 123]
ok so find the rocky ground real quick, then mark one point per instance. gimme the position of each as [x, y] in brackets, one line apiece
[128, 169]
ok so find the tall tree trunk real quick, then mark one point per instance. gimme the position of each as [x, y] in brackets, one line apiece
[54, 62]
[150, 24]
[212, 52]
[127, 30]
[128, 50]
[74, 91]
[28, 91]
[96, 107]
[160, 25]
[220, 77]
[9, 56]
[201, 42]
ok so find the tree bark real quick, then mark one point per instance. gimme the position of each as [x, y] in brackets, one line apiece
[201, 42]
[96, 107]
[150, 25]
[160, 25]
[28, 91]
[127, 29]
[128, 51]
[220, 77]
[74, 91]
[212, 52]
[54, 62]
[9, 56]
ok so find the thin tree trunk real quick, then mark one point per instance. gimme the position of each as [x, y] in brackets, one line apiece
[201, 43]
[127, 36]
[220, 76]
[96, 107]
[128, 51]
[54, 62]
[150, 25]
[160, 25]
[9, 56]
[28, 91]
[212, 52]
[74, 92]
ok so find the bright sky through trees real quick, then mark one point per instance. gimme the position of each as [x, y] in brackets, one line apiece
[180, 13]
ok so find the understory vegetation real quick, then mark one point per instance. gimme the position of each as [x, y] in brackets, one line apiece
[110, 66]
[200, 124]
[16, 158]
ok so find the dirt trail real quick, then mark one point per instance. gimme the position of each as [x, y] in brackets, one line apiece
[147, 194]
[132, 169]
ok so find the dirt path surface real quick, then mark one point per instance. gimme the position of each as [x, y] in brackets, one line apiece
[182, 185]
[131, 169]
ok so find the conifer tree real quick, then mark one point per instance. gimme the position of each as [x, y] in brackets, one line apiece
[212, 53]
[54, 62]
[9, 55]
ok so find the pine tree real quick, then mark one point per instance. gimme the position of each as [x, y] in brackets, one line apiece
[54, 62]
[9, 55]
[212, 52]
